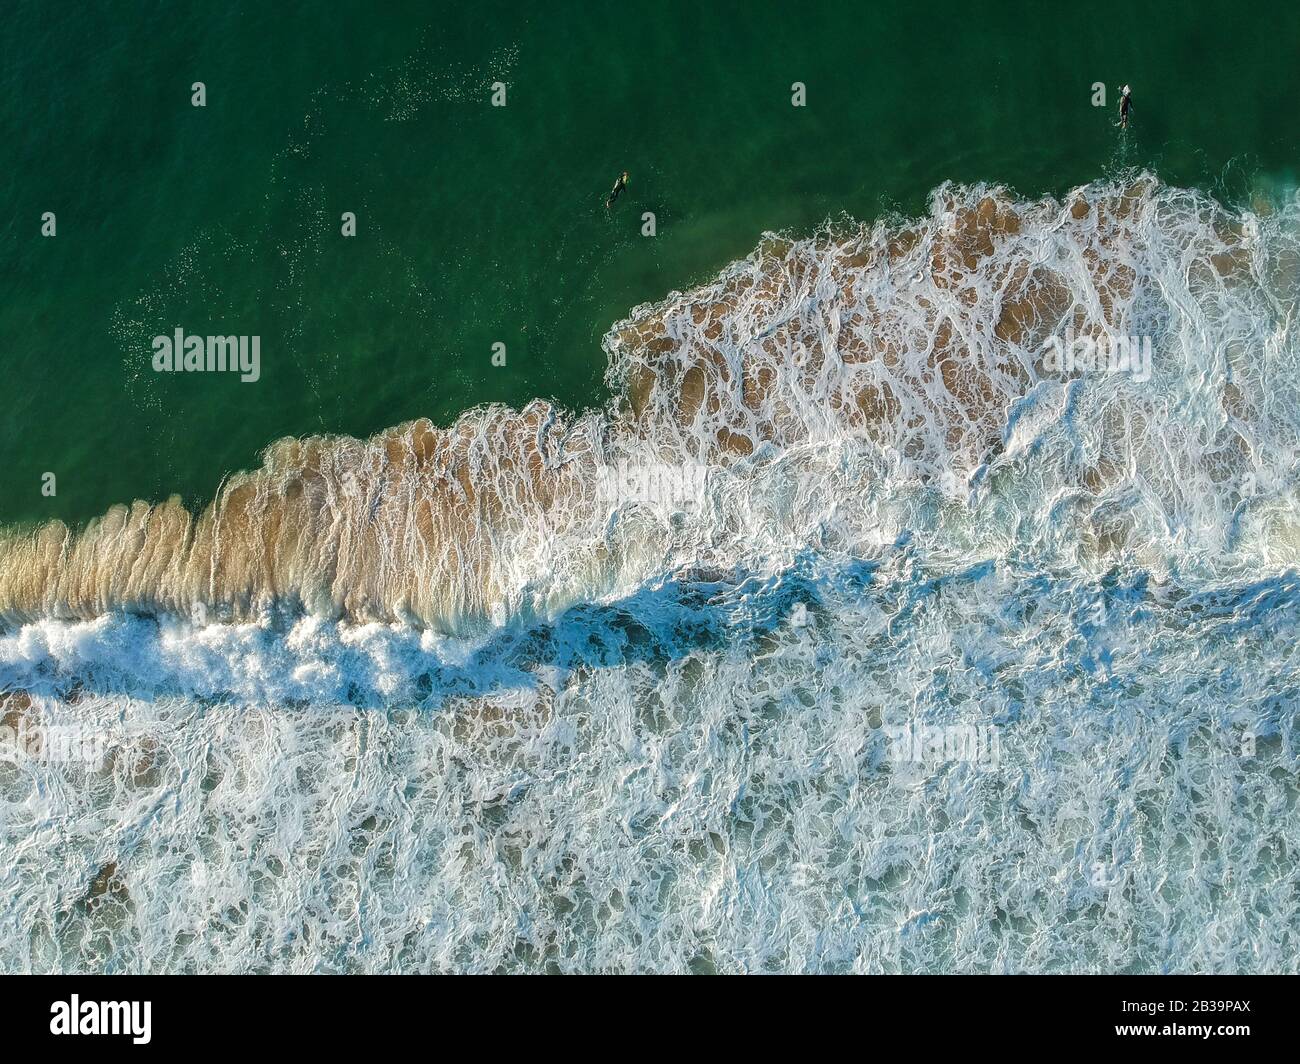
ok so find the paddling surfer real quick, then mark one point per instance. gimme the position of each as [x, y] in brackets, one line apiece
[617, 190]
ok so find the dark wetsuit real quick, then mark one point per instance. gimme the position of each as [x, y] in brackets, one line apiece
[616, 191]
[1124, 104]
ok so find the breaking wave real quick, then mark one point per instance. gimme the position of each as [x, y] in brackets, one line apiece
[673, 684]
[818, 384]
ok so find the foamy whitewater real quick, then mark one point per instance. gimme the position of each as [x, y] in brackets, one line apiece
[856, 633]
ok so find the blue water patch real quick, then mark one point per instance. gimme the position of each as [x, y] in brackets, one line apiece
[846, 766]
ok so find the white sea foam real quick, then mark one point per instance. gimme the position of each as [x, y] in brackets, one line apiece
[550, 728]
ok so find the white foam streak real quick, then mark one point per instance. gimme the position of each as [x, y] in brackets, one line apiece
[496, 716]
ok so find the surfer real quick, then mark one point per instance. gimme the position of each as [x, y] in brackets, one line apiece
[1125, 102]
[617, 190]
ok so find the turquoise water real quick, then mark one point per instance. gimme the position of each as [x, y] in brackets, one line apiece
[480, 225]
[817, 623]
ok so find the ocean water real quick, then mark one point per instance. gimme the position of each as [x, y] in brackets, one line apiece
[886, 572]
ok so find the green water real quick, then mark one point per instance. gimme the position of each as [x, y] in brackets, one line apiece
[479, 225]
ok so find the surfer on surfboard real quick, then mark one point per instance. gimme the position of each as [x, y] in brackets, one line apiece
[617, 190]
[1125, 102]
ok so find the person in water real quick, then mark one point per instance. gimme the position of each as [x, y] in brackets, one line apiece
[1125, 102]
[617, 190]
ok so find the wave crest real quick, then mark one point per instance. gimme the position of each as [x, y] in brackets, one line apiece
[821, 382]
